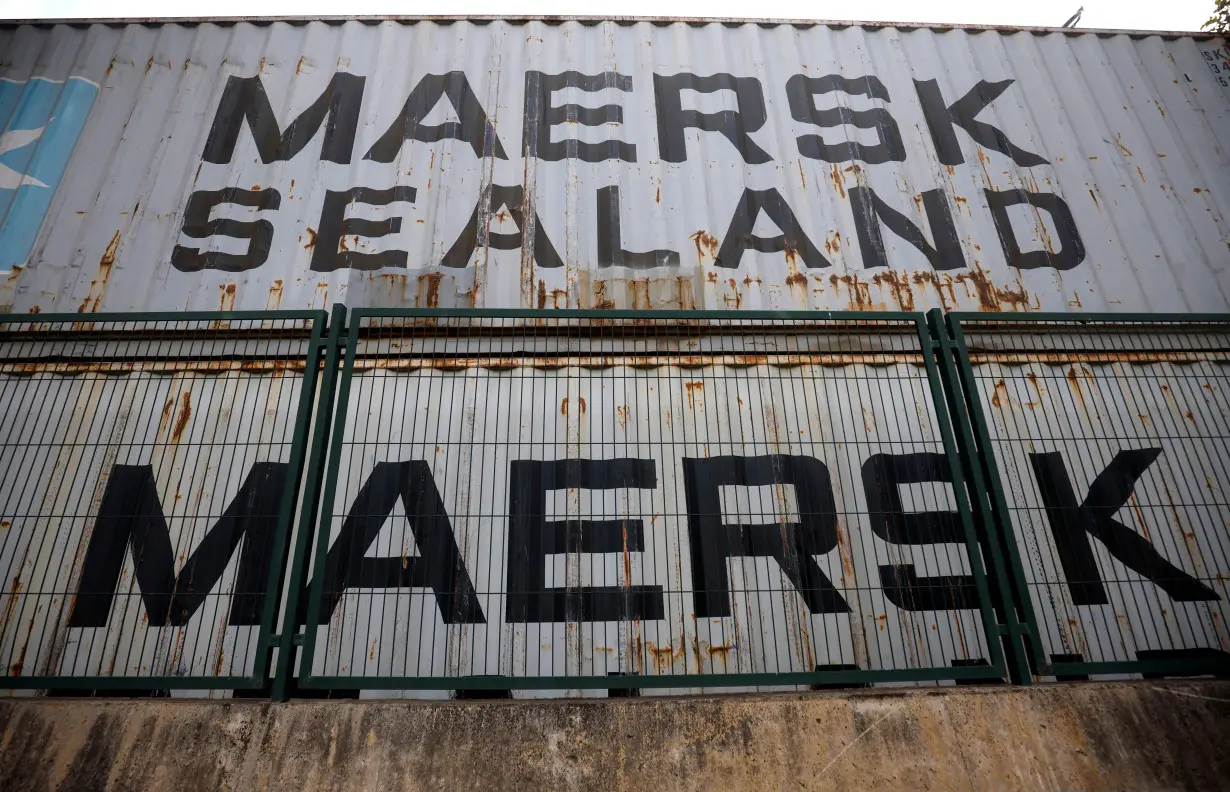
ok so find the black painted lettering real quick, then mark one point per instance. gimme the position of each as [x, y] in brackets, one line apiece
[476, 233]
[438, 565]
[870, 211]
[610, 238]
[713, 540]
[883, 475]
[532, 538]
[197, 225]
[963, 113]
[792, 241]
[801, 91]
[328, 254]
[541, 117]
[472, 126]
[244, 99]
[734, 125]
[1072, 249]
[130, 518]
[1073, 523]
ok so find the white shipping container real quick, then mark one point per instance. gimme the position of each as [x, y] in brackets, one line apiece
[610, 164]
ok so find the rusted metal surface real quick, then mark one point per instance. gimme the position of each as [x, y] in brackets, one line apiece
[475, 429]
[1125, 439]
[1120, 138]
[199, 416]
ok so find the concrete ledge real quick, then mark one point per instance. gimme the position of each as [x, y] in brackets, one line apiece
[1090, 736]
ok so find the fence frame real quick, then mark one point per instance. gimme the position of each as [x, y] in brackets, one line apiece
[331, 423]
[992, 504]
[266, 641]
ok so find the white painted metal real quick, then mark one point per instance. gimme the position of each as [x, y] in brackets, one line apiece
[1134, 129]
[469, 422]
[201, 431]
[1088, 412]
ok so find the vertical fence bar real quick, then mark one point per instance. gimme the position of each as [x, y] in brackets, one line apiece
[970, 454]
[1123, 405]
[329, 468]
[942, 396]
[159, 487]
[291, 637]
[999, 522]
[423, 363]
[278, 556]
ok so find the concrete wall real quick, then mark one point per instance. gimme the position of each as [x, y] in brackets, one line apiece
[1088, 736]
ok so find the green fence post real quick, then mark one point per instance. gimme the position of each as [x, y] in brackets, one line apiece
[1012, 632]
[290, 635]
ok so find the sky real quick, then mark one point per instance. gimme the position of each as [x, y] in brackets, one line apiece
[1129, 14]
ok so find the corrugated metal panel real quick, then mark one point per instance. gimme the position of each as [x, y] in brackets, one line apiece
[1084, 415]
[1127, 134]
[206, 426]
[755, 433]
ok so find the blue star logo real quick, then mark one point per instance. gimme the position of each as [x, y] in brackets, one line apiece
[42, 120]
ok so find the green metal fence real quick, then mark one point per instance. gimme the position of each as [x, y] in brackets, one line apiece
[1103, 443]
[626, 500]
[150, 469]
[575, 502]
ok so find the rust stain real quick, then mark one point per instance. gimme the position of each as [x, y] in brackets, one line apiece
[275, 295]
[1119, 143]
[736, 297]
[601, 301]
[166, 414]
[832, 243]
[838, 181]
[621, 413]
[802, 177]
[1074, 383]
[706, 244]
[692, 388]
[664, 656]
[431, 281]
[98, 286]
[657, 195]
[21, 657]
[581, 399]
[1033, 381]
[563, 406]
[311, 235]
[860, 291]
[181, 422]
[1000, 387]
[10, 604]
[227, 301]
[542, 294]
[900, 285]
[993, 298]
